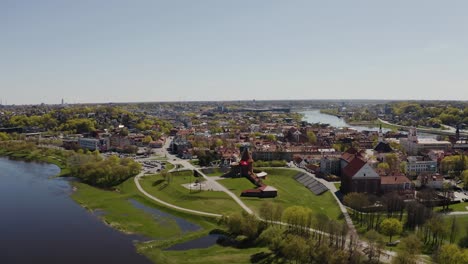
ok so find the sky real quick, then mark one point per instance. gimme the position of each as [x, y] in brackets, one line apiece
[92, 51]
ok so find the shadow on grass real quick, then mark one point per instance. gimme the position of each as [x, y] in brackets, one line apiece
[158, 182]
[262, 257]
[163, 186]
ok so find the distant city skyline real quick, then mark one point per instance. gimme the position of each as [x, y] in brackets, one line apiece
[208, 50]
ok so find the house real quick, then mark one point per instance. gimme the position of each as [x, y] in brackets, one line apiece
[357, 175]
[434, 181]
[262, 192]
[156, 144]
[396, 183]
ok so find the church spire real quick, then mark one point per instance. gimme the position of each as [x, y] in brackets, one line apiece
[381, 138]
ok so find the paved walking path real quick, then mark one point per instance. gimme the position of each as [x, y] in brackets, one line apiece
[137, 183]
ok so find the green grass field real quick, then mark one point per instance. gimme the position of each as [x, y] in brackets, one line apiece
[175, 193]
[212, 255]
[119, 213]
[290, 193]
[458, 207]
[215, 172]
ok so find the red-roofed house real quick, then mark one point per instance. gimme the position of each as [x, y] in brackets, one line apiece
[398, 183]
[357, 175]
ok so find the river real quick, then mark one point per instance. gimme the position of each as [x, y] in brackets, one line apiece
[314, 116]
[40, 223]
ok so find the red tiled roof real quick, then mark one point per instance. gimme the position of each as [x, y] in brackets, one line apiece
[351, 151]
[353, 167]
[399, 179]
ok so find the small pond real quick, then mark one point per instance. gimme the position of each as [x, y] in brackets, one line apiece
[184, 225]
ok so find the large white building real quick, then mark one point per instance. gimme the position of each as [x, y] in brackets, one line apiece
[417, 165]
[413, 145]
[94, 143]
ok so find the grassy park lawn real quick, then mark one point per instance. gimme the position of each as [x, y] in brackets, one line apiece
[175, 193]
[458, 207]
[462, 223]
[119, 213]
[215, 172]
[337, 185]
[212, 255]
[290, 193]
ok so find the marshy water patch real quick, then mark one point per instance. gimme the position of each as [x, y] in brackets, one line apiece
[184, 225]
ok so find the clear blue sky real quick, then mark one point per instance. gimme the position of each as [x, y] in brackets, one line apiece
[121, 51]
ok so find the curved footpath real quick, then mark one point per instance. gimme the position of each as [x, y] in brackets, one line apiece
[137, 183]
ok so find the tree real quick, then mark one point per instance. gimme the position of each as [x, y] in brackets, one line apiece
[404, 257]
[147, 139]
[356, 201]
[464, 176]
[376, 245]
[392, 160]
[412, 244]
[434, 230]
[311, 137]
[266, 211]
[410, 248]
[391, 227]
[294, 248]
[451, 254]
[4, 136]
[298, 218]
[273, 237]
[454, 228]
[384, 167]
[271, 137]
[403, 167]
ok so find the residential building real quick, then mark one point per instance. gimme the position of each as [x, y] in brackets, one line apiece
[357, 175]
[416, 164]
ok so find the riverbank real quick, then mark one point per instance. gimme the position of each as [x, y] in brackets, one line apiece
[30, 152]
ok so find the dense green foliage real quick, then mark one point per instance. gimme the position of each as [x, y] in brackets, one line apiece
[273, 163]
[84, 119]
[455, 164]
[391, 227]
[95, 170]
[431, 114]
[296, 242]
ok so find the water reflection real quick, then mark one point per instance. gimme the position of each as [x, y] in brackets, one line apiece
[40, 223]
[184, 225]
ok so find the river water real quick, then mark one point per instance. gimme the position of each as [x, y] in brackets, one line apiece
[314, 116]
[40, 223]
